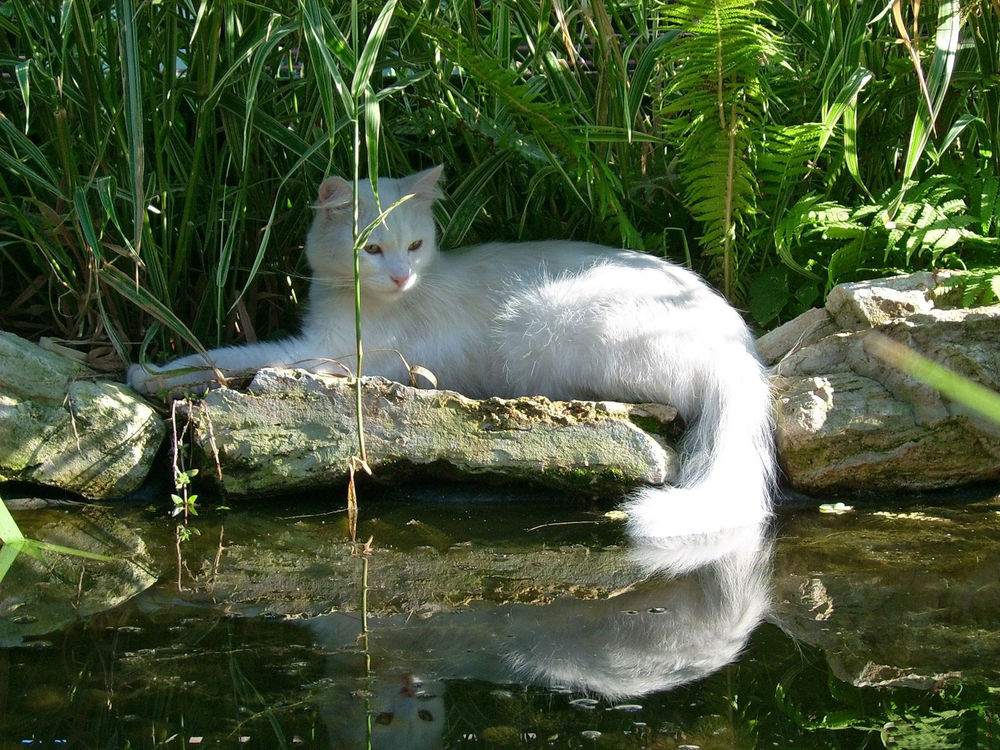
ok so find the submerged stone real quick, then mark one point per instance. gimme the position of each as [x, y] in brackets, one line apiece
[903, 598]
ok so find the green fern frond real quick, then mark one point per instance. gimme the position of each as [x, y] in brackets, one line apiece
[713, 108]
[978, 287]
[514, 97]
[930, 229]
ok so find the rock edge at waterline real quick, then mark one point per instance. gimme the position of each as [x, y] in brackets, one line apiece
[62, 426]
[292, 430]
[846, 420]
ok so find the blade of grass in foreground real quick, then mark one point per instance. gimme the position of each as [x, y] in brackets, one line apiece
[14, 543]
[9, 553]
[9, 531]
[958, 388]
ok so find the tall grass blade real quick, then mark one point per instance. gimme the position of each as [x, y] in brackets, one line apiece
[956, 387]
[370, 52]
[846, 99]
[9, 553]
[132, 87]
[938, 80]
[9, 531]
[152, 306]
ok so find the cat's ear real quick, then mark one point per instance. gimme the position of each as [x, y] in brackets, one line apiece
[335, 193]
[424, 185]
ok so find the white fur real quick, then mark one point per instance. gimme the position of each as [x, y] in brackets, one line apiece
[560, 319]
[654, 635]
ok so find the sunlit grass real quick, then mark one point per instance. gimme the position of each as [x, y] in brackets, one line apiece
[159, 160]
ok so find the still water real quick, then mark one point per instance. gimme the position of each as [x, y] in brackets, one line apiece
[493, 619]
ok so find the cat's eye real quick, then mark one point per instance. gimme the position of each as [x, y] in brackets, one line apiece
[373, 249]
[415, 245]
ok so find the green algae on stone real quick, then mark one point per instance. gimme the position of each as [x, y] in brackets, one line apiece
[62, 426]
[294, 431]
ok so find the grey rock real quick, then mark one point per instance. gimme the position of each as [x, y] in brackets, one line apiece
[866, 304]
[292, 430]
[806, 329]
[848, 420]
[62, 426]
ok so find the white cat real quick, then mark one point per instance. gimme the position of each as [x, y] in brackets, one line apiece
[567, 320]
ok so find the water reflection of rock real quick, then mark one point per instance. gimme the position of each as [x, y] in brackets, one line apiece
[666, 629]
[44, 591]
[905, 598]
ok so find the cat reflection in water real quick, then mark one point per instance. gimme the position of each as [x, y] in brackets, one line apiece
[566, 320]
[656, 634]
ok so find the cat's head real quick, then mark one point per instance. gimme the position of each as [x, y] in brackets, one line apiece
[402, 244]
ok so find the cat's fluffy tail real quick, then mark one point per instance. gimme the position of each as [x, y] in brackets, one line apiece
[727, 472]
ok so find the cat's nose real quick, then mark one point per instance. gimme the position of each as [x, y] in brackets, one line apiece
[402, 281]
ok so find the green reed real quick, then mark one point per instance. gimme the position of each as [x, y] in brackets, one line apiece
[159, 159]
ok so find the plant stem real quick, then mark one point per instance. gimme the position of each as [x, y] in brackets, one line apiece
[355, 231]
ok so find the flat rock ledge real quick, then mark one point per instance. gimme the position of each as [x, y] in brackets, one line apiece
[62, 426]
[845, 420]
[849, 421]
[291, 430]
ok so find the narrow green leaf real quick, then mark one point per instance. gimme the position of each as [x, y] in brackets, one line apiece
[144, 300]
[268, 227]
[9, 531]
[23, 73]
[86, 222]
[323, 63]
[24, 157]
[938, 80]
[370, 52]
[9, 553]
[956, 387]
[373, 129]
[845, 98]
[641, 76]
[49, 547]
[851, 147]
[132, 87]
[957, 128]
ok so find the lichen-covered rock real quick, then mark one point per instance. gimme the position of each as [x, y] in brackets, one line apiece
[292, 430]
[62, 426]
[848, 420]
[866, 304]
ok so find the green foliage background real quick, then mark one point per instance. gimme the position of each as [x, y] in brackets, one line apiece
[159, 158]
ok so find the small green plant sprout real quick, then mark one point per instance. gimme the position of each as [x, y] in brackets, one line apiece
[185, 532]
[184, 503]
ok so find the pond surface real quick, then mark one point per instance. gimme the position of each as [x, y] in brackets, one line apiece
[503, 619]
